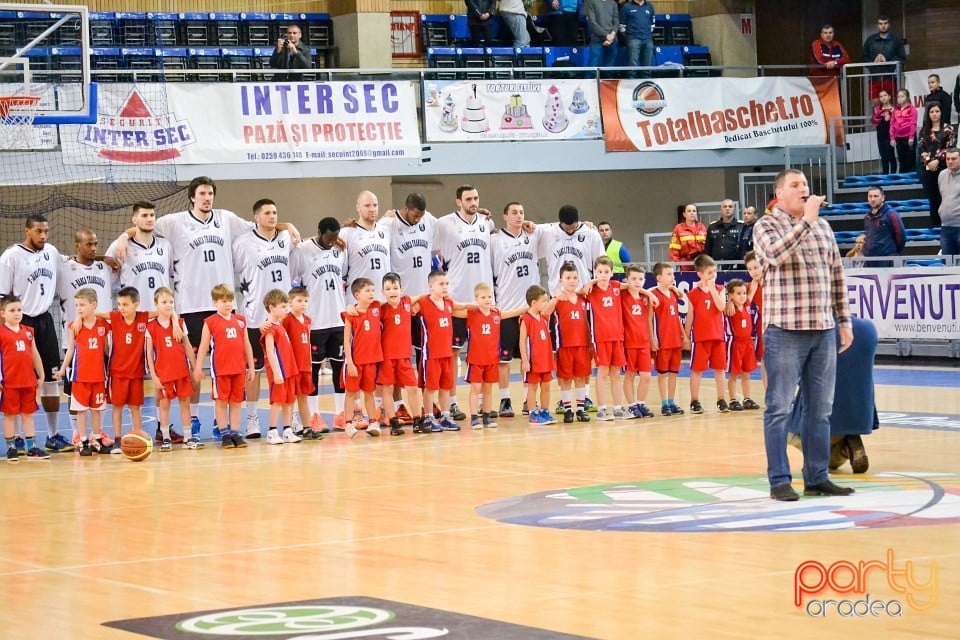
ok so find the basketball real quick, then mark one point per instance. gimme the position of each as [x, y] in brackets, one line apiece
[136, 446]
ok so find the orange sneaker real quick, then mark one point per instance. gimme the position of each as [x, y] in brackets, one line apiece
[339, 422]
[318, 424]
[404, 416]
[105, 439]
[381, 416]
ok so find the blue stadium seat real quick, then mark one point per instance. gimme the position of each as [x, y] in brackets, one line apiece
[103, 29]
[205, 58]
[134, 28]
[459, 30]
[257, 30]
[530, 57]
[319, 28]
[667, 53]
[239, 58]
[226, 29]
[678, 28]
[503, 58]
[103, 60]
[474, 59]
[165, 27]
[435, 29]
[173, 59]
[196, 29]
[144, 59]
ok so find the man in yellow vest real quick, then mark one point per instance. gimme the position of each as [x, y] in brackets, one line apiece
[615, 250]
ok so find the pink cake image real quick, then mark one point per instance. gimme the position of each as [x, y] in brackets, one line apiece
[515, 115]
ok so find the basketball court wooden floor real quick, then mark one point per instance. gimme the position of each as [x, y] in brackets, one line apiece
[657, 529]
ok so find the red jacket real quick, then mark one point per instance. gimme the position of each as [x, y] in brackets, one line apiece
[824, 52]
[687, 242]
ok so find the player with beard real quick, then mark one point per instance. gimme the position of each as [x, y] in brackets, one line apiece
[148, 263]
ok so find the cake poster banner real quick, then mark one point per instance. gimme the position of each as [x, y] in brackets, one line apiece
[907, 302]
[717, 113]
[462, 110]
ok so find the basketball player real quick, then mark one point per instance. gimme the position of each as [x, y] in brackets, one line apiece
[261, 257]
[569, 240]
[463, 239]
[411, 231]
[148, 262]
[368, 246]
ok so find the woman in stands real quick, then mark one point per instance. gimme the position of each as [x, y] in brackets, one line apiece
[882, 114]
[688, 239]
[936, 137]
[903, 130]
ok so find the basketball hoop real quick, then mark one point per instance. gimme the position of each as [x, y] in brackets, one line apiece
[16, 121]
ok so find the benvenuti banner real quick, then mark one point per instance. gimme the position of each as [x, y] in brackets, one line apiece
[673, 114]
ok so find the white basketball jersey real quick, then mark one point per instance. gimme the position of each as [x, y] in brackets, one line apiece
[202, 254]
[465, 247]
[368, 255]
[262, 264]
[31, 276]
[323, 272]
[146, 268]
[74, 276]
[411, 250]
[581, 247]
[516, 267]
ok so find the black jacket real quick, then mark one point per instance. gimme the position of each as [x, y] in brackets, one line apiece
[723, 240]
[942, 98]
[299, 60]
[891, 47]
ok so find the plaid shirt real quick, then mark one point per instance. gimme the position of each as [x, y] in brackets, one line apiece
[803, 284]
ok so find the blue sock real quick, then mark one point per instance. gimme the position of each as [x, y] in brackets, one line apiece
[31, 443]
[12, 443]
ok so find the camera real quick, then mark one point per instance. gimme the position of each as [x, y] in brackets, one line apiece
[286, 40]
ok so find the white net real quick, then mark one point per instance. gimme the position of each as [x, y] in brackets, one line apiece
[16, 121]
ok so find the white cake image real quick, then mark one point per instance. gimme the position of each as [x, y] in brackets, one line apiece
[554, 118]
[515, 114]
[474, 118]
[448, 118]
[579, 102]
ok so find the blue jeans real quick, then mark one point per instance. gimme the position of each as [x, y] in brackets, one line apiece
[807, 359]
[601, 56]
[950, 241]
[640, 54]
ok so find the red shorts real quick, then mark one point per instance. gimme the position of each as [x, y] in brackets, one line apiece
[305, 383]
[437, 373]
[533, 377]
[574, 362]
[668, 360]
[126, 392]
[709, 354]
[182, 388]
[18, 401]
[229, 388]
[609, 354]
[88, 395]
[759, 348]
[638, 360]
[397, 372]
[742, 358]
[283, 392]
[365, 380]
[483, 373]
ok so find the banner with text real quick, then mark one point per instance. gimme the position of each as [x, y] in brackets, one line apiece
[496, 110]
[249, 122]
[920, 302]
[716, 113]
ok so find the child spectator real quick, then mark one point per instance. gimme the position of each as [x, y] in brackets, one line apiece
[20, 373]
[704, 329]
[882, 115]
[128, 332]
[606, 322]
[741, 329]
[397, 342]
[536, 357]
[572, 345]
[297, 325]
[281, 368]
[667, 339]
[637, 329]
[903, 131]
[689, 238]
[436, 335]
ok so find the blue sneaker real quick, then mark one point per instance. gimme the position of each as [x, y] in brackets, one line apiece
[589, 406]
[195, 427]
[537, 417]
[431, 423]
[448, 425]
[216, 430]
[21, 446]
[59, 444]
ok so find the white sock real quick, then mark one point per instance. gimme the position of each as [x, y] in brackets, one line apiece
[378, 402]
[52, 422]
[581, 394]
[505, 393]
[566, 396]
[251, 409]
[194, 409]
[338, 401]
[73, 422]
[313, 403]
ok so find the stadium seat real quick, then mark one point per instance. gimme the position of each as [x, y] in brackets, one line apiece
[319, 30]
[474, 59]
[442, 58]
[697, 56]
[205, 58]
[134, 28]
[142, 59]
[502, 58]
[103, 60]
[257, 30]
[226, 30]
[196, 29]
[173, 59]
[678, 28]
[239, 58]
[103, 27]
[459, 30]
[166, 29]
[435, 29]
[667, 53]
[530, 57]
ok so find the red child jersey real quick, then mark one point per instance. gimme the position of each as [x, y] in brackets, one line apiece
[484, 332]
[605, 316]
[636, 312]
[666, 320]
[284, 351]
[169, 357]
[539, 350]
[572, 328]
[16, 357]
[437, 328]
[89, 353]
[228, 357]
[299, 333]
[707, 318]
[129, 338]
[365, 335]
[758, 302]
[396, 337]
[740, 326]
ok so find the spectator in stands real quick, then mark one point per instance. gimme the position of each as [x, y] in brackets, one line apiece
[565, 21]
[856, 251]
[828, 54]
[746, 231]
[903, 131]
[936, 136]
[603, 18]
[514, 16]
[883, 230]
[950, 206]
[882, 114]
[723, 235]
[880, 47]
[291, 53]
[617, 253]
[638, 18]
[479, 16]
[939, 96]
[688, 237]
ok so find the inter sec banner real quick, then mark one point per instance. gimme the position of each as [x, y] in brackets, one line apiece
[716, 113]
[912, 302]
[213, 123]
[495, 110]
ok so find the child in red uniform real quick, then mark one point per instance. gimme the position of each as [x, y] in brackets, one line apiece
[572, 344]
[224, 335]
[20, 372]
[755, 297]
[363, 354]
[637, 327]
[436, 335]
[86, 352]
[606, 322]
[666, 341]
[536, 355]
[705, 317]
[128, 330]
[169, 361]
[397, 344]
[297, 324]
[741, 357]
[281, 365]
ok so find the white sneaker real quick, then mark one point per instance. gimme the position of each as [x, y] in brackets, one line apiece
[296, 423]
[290, 436]
[373, 429]
[325, 370]
[603, 415]
[619, 414]
[273, 437]
[350, 430]
[253, 428]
